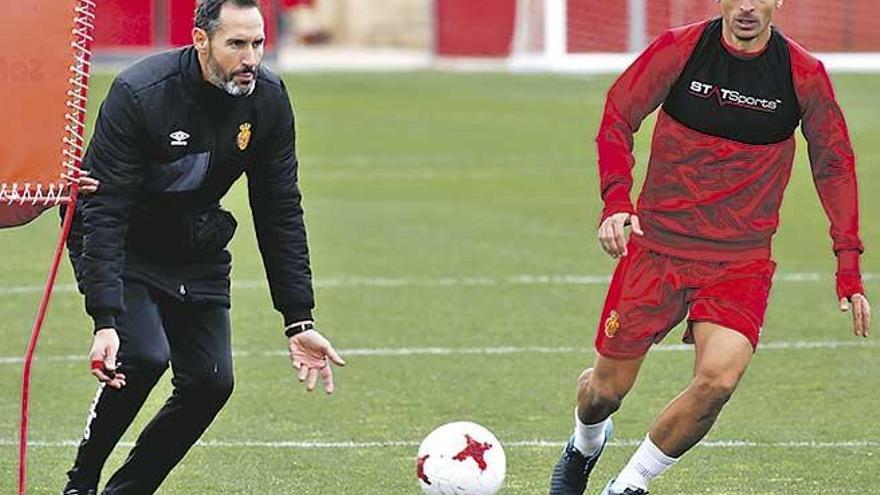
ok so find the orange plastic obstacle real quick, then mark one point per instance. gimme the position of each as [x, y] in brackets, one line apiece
[45, 70]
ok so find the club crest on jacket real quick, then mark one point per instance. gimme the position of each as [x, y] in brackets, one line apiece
[244, 136]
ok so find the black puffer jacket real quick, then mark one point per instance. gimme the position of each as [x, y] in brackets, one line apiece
[167, 147]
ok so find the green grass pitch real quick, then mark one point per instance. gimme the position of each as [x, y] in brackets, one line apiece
[458, 211]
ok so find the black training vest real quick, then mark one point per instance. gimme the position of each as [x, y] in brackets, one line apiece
[750, 100]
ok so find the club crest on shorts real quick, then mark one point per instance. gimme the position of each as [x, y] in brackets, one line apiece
[244, 136]
[612, 324]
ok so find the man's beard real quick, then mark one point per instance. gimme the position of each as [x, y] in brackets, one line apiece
[226, 81]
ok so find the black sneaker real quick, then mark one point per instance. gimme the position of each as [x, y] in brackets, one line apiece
[78, 490]
[573, 469]
[627, 491]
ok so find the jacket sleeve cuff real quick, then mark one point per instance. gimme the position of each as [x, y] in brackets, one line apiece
[617, 200]
[848, 261]
[849, 274]
[104, 321]
[292, 316]
[849, 285]
[614, 208]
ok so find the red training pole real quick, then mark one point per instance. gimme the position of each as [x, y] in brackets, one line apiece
[35, 337]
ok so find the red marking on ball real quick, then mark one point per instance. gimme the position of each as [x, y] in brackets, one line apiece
[475, 450]
[420, 468]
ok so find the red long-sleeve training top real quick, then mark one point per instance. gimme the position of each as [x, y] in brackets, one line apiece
[723, 145]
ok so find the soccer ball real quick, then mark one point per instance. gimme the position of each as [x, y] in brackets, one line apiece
[461, 458]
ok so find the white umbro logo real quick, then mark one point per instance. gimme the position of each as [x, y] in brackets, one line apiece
[178, 138]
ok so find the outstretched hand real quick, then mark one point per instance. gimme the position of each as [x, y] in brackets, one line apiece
[311, 354]
[612, 234]
[103, 358]
[861, 311]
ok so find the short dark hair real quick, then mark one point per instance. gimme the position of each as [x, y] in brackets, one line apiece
[207, 15]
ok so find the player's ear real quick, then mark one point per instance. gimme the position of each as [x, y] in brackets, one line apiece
[200, 40]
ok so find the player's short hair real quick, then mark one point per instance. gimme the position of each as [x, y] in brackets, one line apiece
[207, 15]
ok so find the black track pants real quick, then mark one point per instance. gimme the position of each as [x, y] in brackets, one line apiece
[153, 331]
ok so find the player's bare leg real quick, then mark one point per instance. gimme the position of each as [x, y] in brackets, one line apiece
[600, 391]
[722, 356]
[602, 388]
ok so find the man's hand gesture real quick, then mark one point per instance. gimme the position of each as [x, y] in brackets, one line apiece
[103, 358]
[612, 234]
[861, 312]
[311, 354]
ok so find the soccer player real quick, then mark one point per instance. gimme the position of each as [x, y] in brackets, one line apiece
[175, 132]
[732, 91]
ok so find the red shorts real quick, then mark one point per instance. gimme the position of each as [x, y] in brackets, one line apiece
[650, 293]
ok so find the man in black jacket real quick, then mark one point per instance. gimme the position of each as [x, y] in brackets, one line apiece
[175, 132]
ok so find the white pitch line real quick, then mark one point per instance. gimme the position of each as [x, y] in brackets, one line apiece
[392, 282]
[464, 351]
[293, 444]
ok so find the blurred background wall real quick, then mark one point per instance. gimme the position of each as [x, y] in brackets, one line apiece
[479, 28]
